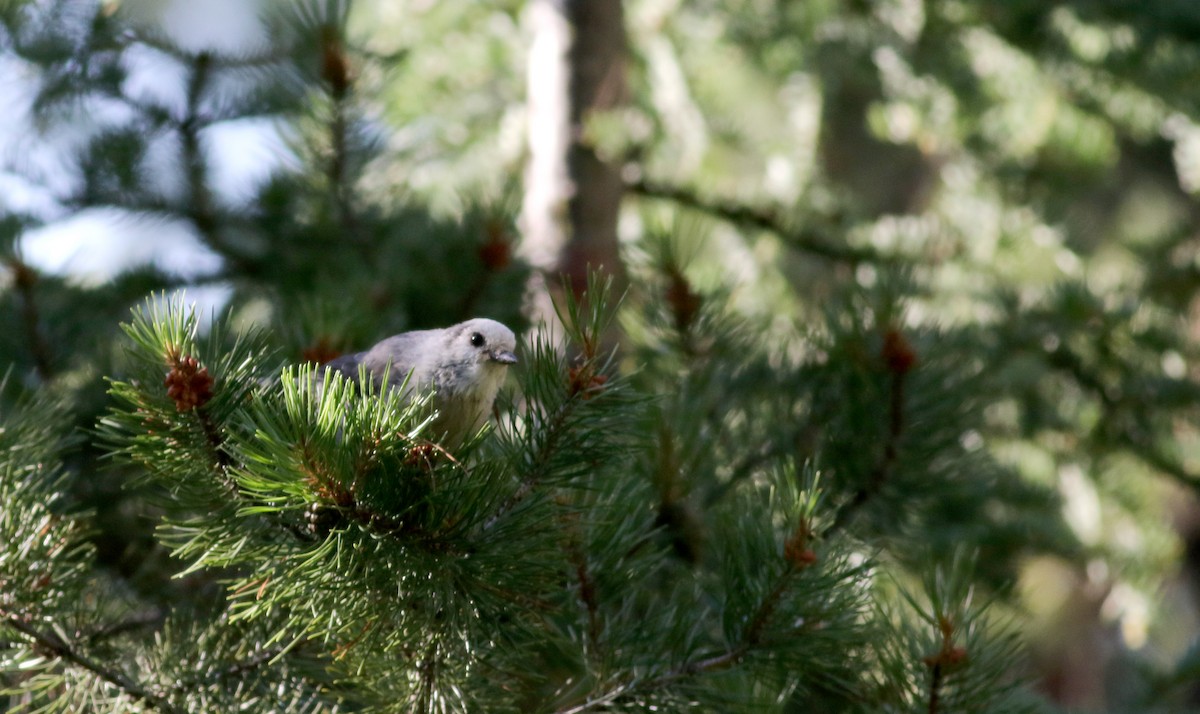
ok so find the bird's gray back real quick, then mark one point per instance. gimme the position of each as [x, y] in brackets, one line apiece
[346, 364]
[405, 352]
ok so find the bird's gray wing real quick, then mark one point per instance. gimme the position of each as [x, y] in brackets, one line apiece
[347, 365]
[397, 355]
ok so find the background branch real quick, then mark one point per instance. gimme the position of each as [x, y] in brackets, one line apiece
[25, 278]
[55, 646]
[761, 218]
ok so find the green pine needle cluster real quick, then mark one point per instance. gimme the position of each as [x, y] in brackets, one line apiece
[539, 568]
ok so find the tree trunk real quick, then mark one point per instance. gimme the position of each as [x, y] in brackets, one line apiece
[572, 196]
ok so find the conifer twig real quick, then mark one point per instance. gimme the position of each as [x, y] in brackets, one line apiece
[59, 648]
[428, 675]
[237, 669]
[553, 432]
[587, 589]
[162, 43]
[201, 209]
[24, 278]
[752, 636]
[216, 444]
[766, 608]
[336, 170]
[146, 619]
[899, 360]
[754, 217]
[1065, 360]
[935, 688]
[338, 81]
[948, 655]
[744, 469]
[252, 663]
[200, 202]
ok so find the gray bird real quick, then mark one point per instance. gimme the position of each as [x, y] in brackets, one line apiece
[464, 364]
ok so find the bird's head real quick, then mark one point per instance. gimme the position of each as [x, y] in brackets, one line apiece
[484, 341]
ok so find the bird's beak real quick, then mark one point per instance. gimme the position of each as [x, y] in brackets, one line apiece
[503, 356]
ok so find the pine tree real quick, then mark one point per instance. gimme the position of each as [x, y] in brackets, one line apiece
[807, 461]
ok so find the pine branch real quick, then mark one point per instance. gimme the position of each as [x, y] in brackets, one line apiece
[216, 445]
[251, 664]
[761, 218]
[223, 462]
[607, 697]
[336, 171]
[270, 56]
[338, 82]
[151, 207]
[237, 670]
[935, 688]
[151, 618]
[1065, 360]
[54, 645]
[190, 385]
[754, 632]
[552, 433]
[587, 588]
[752, 637]
[200, 201]
[495, 253]
[745, 468]
[428, 679]
[899, 359]
[24, 279]
[949, 656]
[201, 209]
[587, 382]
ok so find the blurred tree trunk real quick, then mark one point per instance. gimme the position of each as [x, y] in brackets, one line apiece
[572, 196]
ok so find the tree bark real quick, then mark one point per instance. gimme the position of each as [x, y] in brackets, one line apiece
[572, 196]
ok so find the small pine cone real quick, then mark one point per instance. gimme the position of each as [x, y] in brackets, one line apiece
[897, 353]
[798, 554]
[331, 492]
[23, 276]
[682, 299]
[320, 519]
[335, 65]
[684, 527]
[188, 384]
[496, 250]
[584, 381]
[422, 456]
[948, 658]
[320, 352]
[956, 656]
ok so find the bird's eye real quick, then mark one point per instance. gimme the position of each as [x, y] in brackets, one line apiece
[477, 340]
